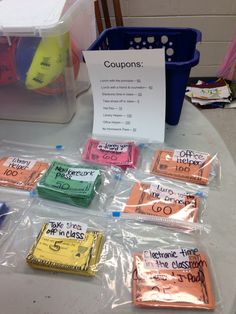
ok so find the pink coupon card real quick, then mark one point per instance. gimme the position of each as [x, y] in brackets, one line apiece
[119, 154]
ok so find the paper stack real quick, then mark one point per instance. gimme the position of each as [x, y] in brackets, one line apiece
[66, 254]
[69, 183]
[213, 94]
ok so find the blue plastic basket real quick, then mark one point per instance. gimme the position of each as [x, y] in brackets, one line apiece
[180, 55]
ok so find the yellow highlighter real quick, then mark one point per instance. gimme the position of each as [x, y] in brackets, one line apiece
[49, 61]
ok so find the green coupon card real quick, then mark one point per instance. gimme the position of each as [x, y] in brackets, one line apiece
[70, 182]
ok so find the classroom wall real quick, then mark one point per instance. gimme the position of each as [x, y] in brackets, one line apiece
[216, 19]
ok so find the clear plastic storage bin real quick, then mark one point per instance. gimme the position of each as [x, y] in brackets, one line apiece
[39, 60]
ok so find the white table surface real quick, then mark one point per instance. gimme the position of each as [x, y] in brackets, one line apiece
[27, 294]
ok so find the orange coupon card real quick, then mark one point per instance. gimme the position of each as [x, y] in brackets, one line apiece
[159, 200]
[175, 282]
[187, 165]
[21, 173]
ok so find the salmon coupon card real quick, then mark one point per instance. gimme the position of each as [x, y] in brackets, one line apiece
[20, 172]
[159, 200]
[176, 278]
[186, 165]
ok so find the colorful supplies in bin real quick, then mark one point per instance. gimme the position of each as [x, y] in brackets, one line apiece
[3, 211]
[20, 172]
[121, 154]
[167, 282]
[40, 61]
[185, 164]
[8, 73]
[37, 54]
[70, 183]
[163, 201]
[67, 247]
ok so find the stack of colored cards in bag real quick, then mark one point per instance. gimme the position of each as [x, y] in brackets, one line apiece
[123, 155]
[65, 246]
[171, 279]
[20, 172]
[71, 184]
[163, 201]
[187, 165]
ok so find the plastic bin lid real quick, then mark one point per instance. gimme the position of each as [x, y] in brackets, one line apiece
[37, 18]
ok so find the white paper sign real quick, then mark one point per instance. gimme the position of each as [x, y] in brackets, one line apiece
[189, 156]
[19, 163]
[128, 92]
[168, 194]
[168, 259]
[113, 147]
[66, 229]
[82, 174]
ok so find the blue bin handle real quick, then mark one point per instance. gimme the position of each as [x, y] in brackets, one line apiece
[199, 35]
[185, 64]
[195, 58]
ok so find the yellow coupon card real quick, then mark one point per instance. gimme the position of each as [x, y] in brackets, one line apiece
[66, 252]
